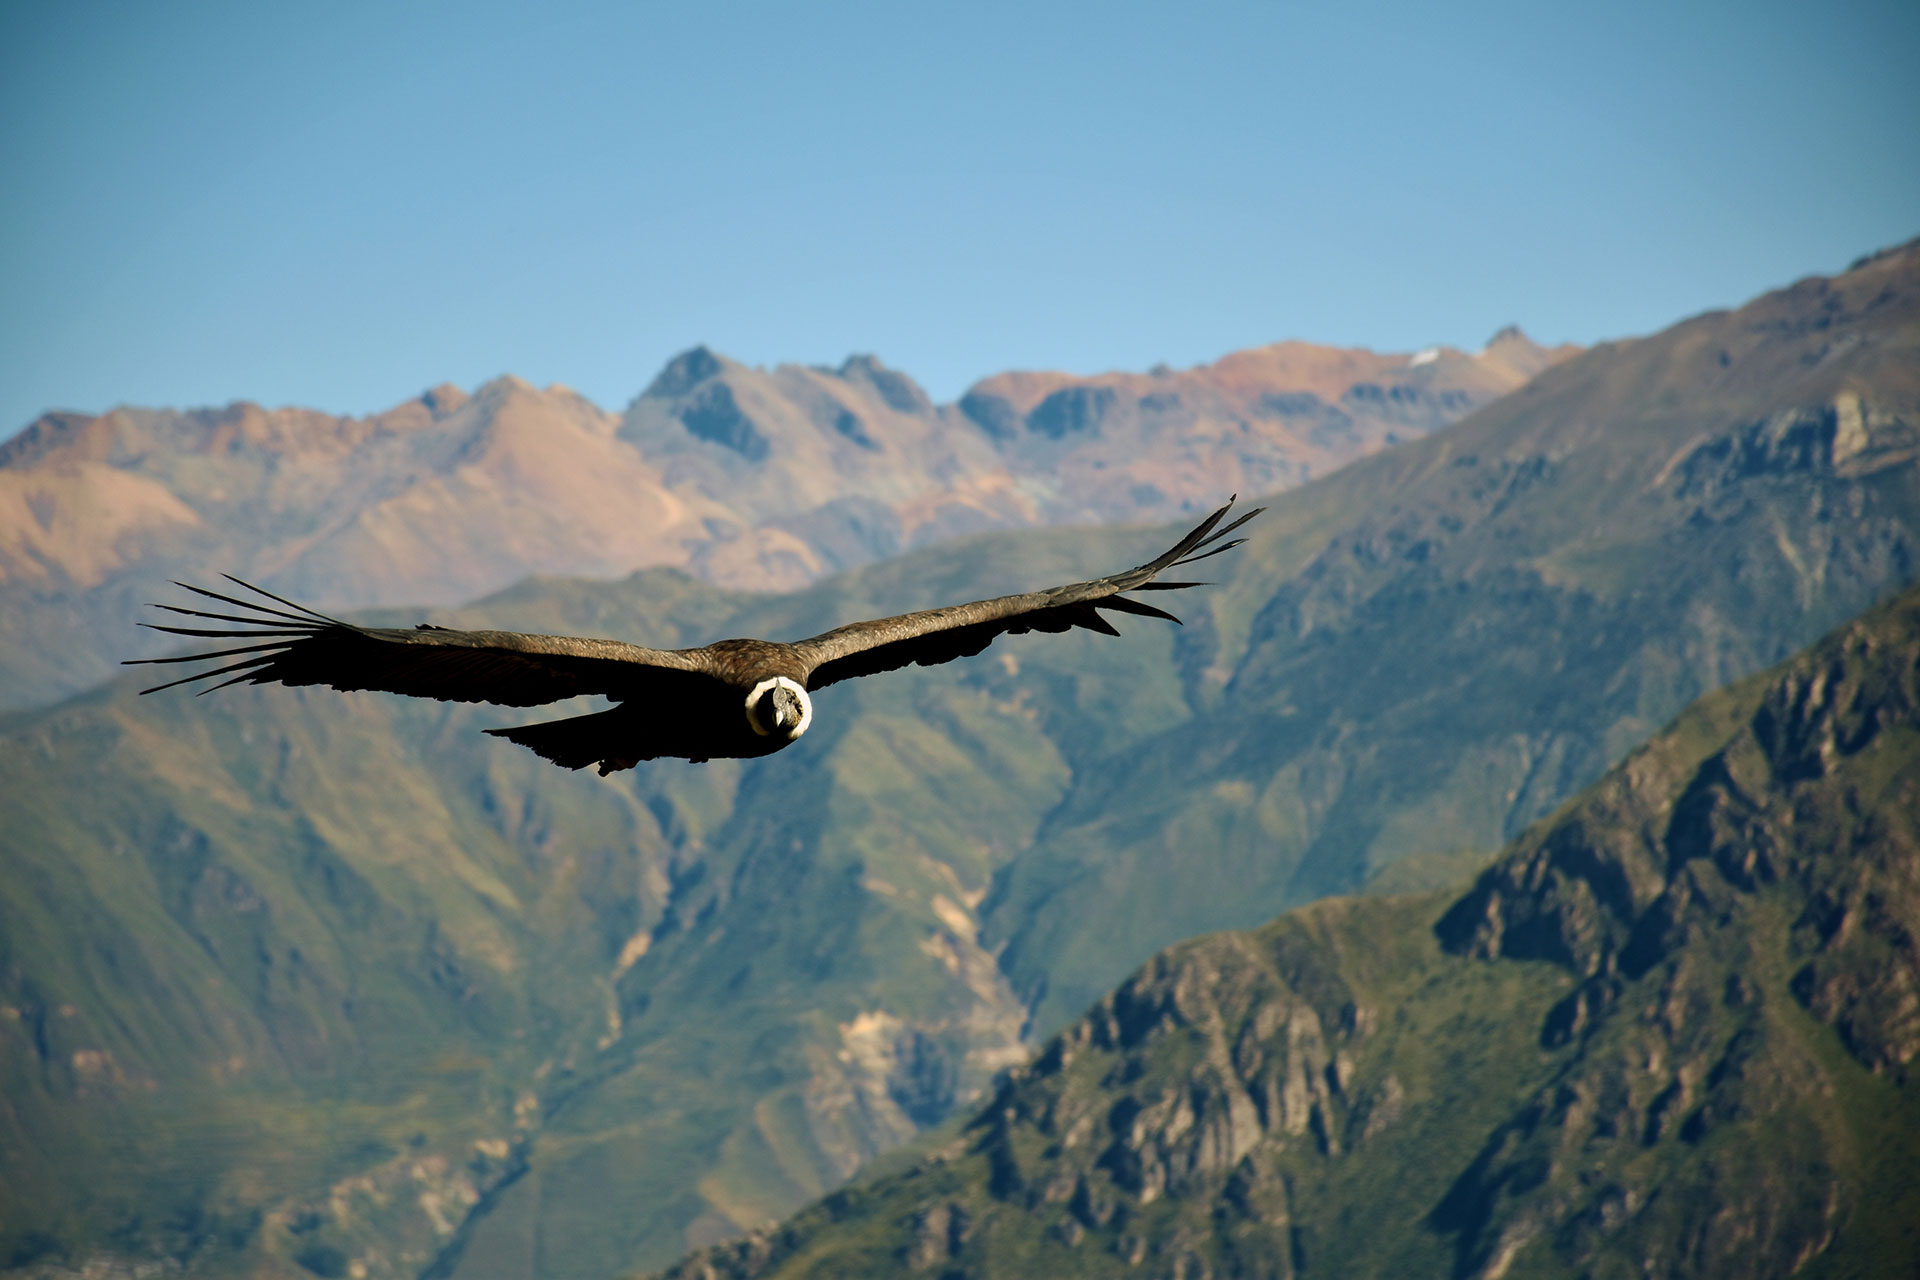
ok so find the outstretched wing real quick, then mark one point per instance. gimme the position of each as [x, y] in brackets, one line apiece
[959, 631]
[294, 645]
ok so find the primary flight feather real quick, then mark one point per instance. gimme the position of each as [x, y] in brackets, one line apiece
[732, 698]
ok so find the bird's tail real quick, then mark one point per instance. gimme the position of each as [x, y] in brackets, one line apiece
[605, 738]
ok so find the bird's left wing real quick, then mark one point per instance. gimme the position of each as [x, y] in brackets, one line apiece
[959, 631]
[294, 645]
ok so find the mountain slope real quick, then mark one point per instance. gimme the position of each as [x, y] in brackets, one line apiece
[1670, 1032]
[1436, 645]
[745, 477]
[320, 949]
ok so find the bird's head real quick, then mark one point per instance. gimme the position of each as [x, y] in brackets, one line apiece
[778, 708]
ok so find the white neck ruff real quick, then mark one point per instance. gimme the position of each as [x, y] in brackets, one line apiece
[767, 686]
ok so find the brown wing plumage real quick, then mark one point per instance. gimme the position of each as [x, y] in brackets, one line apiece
[958, 631]
[296, 646]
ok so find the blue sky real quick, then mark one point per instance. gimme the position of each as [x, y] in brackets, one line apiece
[339, 205]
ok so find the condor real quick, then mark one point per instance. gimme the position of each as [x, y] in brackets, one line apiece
[729, 699]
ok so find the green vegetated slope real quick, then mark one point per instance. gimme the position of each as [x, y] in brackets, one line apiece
[388, 994]
[288, 969]
[293, 980]
[1671, 1031]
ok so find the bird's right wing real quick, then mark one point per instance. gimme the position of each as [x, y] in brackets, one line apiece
[296, 646]
[962, 630]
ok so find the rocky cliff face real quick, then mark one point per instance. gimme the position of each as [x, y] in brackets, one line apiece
[1671, 1031]
[745, 477]
[1613, 900]
[1783, 867]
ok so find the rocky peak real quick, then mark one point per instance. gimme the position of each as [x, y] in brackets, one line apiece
[43, 436]
[500, 388]
[1511, 350]
[895, 389]
[1892, 254]
[443, 399]
[685, 372]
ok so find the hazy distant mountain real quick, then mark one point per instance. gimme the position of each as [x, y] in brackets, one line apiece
[743, 476]
[329, 977]
[1670, 1033]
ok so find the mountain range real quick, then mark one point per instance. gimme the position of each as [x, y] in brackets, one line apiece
[305, 983]
[744, 477]
[1670, 1031]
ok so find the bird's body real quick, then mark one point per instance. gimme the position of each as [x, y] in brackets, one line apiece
[730, 699]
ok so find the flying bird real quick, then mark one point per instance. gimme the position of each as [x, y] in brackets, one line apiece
[729, 699]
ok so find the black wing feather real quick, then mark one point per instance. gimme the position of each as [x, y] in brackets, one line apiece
[506, 667]
[941, 635]
[1121, 604]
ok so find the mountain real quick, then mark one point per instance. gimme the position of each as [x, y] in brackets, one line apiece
[743, 476]
[393, 995]
[436, 500]
[1671, 1031]
[1434, 646]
